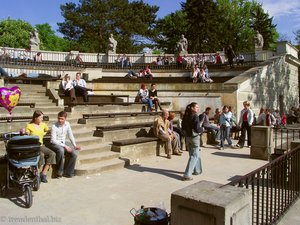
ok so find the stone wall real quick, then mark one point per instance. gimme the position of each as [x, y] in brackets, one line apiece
[273, 84]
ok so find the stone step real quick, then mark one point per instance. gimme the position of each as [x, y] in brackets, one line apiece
[87, 141]
[78, 110]
[119, 120]
[26, 111]
[99, 167]
[113, 135]
[82, 133]
[91, 149]
[96, 157]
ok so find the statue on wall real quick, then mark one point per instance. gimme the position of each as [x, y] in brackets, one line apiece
[112, 44]
[34, 40]
[258, 41]
[182, 45]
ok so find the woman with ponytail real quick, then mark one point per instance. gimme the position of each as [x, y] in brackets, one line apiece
[193, 129]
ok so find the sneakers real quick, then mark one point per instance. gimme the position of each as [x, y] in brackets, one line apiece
[176, 153]
[221, 148]
[187, 178]
[43, 178]
[237, 146]
[169, 156]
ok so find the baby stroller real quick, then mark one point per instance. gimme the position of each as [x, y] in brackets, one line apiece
[22, 157]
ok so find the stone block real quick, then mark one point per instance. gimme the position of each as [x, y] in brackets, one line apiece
[209, 203]
[261, 142]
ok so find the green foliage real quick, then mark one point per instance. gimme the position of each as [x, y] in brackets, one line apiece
[203, 26]
[49, 40]
[297, 38]
[91, 22]
[169, 29]
[211, 25]
[14, 33]
[263, 23]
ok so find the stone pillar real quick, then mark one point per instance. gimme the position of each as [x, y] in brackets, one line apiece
[261, 142]
[209, 203]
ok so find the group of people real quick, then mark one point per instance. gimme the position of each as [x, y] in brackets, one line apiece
[62, 143]
[149, 97]
[200, 74]
[123, 61]
[191, 126]
[27, 55]
[294, 115]
[75, 88]
[143, 73]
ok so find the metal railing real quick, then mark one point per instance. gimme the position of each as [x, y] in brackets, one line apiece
[283, 137]
[276, 185]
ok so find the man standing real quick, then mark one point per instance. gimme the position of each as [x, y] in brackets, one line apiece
[245, 122]
[161, 130]
[80, 87]
[59, 132]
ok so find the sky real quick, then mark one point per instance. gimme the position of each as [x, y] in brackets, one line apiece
[285, 13]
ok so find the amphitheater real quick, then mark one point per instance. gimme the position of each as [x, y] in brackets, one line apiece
[112, 129]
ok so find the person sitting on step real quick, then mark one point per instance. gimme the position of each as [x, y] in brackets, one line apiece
[144, 97]
[67, 87]
[153, 96]
[161, 130]
[80, 87]
[38, 128]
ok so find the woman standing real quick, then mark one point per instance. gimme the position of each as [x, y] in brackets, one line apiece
[225, 126]
[192, 129]
[38, 128]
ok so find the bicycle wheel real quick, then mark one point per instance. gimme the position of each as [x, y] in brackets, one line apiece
[36, 184]
[28, 196]
[36, 181]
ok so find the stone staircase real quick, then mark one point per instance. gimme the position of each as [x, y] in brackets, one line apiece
[95, 155]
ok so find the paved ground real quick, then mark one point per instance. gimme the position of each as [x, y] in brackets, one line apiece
[107, 198]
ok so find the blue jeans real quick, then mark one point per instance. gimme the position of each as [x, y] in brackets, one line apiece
[194, 163]
[149, 102]
[225, 134]
[60, 155]
[215, 130]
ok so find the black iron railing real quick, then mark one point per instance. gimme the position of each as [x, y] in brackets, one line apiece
[275, 186]
[282, 138]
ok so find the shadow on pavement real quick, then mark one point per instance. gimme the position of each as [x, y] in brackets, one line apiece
[231, 155]
[169, 173]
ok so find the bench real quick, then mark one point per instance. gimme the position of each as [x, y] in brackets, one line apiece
[136, 148]
[123, 126]
[19, 118]
[31, 105]
[100, 115]
[94, 99]
[28, 80]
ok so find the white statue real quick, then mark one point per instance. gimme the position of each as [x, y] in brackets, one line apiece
[182, 45]
[112, 44]
[34, 41]
[258, 41]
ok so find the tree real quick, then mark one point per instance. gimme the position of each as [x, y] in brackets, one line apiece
[297, 38]
[91, 22]
[14, 33]
[203, 25]
[263, 23]
[169, 29]
[50, 41]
